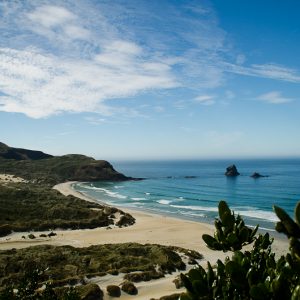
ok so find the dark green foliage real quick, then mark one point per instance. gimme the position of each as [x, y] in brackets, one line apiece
[90, 292]
[25, 207]
[69, 265]
[21, 154]
[144, 276]
[129, 288]
[113, 290]
[29, 288]
[248, 275]
[59, 169]
[231, 232]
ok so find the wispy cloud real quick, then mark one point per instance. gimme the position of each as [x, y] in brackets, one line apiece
[274, 98]
[270, 71]
[65, 56]
[205, 100]
[39, 84]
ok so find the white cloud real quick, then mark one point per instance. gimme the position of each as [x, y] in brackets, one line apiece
[205, 99]
[76, 77]
[41, 85]
[51, 16]
[270, 71]
[65, 56]
[274, 98]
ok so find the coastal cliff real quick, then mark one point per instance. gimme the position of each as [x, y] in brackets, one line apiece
[38, 166]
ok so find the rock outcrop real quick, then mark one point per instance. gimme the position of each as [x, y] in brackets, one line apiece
[232, 171]
[257, 175]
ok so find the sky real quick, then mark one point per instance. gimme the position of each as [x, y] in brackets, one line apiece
[160, 79]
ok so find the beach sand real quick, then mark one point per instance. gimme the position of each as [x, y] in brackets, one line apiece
[149, 228]
[6, 178]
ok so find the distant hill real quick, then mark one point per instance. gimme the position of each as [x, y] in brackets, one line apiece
[41, 167]
[21, 154]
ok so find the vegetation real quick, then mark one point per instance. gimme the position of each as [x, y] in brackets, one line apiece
[254, 274]
[66, 265]
[21, 154]
[30, 288]
[26, 207]
[59, 169]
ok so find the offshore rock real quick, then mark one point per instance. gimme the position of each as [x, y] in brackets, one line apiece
[232, 171]
[257, 175]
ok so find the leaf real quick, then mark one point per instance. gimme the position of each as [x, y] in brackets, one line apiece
[211, 242]
[297, 213]
[291, 227]
[223, 210]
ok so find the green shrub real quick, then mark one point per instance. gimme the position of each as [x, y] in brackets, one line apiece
[113, 290]
[129, 288]
[254, 274]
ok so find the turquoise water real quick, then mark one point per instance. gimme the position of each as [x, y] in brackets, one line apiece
[192, 189]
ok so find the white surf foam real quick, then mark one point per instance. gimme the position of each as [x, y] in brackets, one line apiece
[164, 202]
[138, 199]
[192, 214]
[258, 214]
[201, 208]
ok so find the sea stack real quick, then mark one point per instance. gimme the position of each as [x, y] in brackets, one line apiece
[232, 171]
[256, 175]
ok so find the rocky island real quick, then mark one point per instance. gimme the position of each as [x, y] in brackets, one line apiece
[232, 171]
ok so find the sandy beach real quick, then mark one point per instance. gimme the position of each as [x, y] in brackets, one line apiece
[149, 228]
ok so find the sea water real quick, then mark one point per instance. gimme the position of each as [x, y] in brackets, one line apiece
[192, 189]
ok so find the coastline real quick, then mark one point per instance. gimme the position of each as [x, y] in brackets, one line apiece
[148, 229]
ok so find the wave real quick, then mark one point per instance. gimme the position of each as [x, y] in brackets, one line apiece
[259, 214]
[138, 199]
[164, 202]
[118, 186]
[252, 213]
[147, 194]
[201, 208]
[106, 191]
[192, 214]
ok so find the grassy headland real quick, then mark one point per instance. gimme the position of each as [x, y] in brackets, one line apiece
[40, 167]
[34, 205]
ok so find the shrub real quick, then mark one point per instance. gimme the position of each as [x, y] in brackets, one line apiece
[129, 288]
[113, 290]
[251, 274]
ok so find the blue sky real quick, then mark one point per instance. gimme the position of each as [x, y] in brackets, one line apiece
[151, 79]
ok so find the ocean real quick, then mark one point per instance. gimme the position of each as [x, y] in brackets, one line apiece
[192, 189]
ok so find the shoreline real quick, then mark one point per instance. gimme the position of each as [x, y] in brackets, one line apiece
[149, 228]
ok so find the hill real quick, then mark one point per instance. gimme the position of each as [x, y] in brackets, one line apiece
[21, 154]
[37, 166]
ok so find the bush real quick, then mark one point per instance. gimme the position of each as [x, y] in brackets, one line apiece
[90, 292]
[129, 288]
[113, 290]
[5, 229]
[251, 274]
